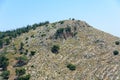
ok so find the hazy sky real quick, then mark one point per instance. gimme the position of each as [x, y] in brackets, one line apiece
[102, 14]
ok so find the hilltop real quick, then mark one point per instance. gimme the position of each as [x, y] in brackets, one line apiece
[64, 50]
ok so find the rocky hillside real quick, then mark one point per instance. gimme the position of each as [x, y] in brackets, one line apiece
[65, 50]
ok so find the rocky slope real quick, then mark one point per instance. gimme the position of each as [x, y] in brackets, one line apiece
[91, 51]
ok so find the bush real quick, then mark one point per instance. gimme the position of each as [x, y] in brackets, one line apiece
[115, 52]
[26, 52]
[32, 36]
[55, 49]
[5, 74]
[26, 38]
[7, 41]
[59, 33]
[3, 62]
[21, 46]
[71, 67]
[61, 22]
[20, 72]
[27, 77]
[1, 44]
[21, 61]
[68, 29]
[32, 53]
[43, 35]
[73, 19]
[117, 42]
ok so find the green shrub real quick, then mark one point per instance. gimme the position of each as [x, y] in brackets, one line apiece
[26, 38]
[26, 52]
[115, 52]
[68, 29]
[32, 53]
[55, 49]
[73, 19]
[61, 22]
[20, 71]
[21, 46]
[32, 36]
[1, 44]
[27, 77]
[59, 33]
[32, 66]
[75, 34]
[5, 74]
[43, 35]
[117, 42]
[7, 41]
[3, 62]
[24, 58]
[71, 67]
[21, 61]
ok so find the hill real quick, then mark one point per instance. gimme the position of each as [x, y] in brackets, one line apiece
[64, 50]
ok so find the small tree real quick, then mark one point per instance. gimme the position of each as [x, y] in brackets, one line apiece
[117, 42]
[71, 67]
[32, 53]
[115, 52]
[5, 74]
[55, 49]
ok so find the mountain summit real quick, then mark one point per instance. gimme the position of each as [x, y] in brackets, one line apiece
[64, 50]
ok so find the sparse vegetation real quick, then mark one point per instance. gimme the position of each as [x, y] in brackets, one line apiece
[71, 67]
[19, 31]
[70, 56]
[55, 49]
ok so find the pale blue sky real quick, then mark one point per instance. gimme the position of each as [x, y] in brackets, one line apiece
[102, 14]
